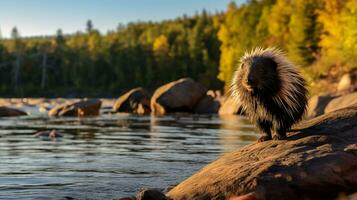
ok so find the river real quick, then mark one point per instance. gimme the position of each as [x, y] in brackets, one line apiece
[110, 156]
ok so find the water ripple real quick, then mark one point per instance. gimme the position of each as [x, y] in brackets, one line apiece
[110, 156]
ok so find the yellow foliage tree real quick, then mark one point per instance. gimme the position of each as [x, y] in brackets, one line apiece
[339, 38]
[279, 19]
[161, 46]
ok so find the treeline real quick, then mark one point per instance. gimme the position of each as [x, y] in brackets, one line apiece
[87, 63]
[319, 35]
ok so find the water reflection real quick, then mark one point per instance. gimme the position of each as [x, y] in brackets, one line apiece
[111, 155]
[235, 128]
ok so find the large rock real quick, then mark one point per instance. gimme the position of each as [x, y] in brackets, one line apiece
[230, 107]
[10, 112]
[341, 102]
[178, 96]
[136, 100]
[317, 162]
[77, 109]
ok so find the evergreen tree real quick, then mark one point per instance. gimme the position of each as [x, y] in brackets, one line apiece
[89, 26]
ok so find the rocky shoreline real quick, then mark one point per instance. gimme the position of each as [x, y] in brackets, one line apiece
[184, 95]
[317, 161]
[181, 96]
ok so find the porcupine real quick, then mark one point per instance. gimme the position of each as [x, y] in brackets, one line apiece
[271, 90]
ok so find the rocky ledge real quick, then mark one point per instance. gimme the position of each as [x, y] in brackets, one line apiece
[317, 161]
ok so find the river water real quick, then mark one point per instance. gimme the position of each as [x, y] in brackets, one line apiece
[110, 156]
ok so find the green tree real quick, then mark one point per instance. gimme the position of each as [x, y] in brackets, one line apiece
[89, 26]
[304, 32]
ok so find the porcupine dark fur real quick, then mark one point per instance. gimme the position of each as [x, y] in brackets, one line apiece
[272, 91]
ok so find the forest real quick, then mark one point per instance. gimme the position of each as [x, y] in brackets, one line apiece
[319, 35]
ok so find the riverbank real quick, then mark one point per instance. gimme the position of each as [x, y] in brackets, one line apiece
[319, 161]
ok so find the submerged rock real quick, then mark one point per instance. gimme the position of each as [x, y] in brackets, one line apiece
[77, 109]
[178, 96]
[49, 134]
[319, 161]
[136, 101]
[10, 112]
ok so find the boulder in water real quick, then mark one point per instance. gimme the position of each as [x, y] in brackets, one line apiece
[178, 96]
[136, 100]
[77, 109]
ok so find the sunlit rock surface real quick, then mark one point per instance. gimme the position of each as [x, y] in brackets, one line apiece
[317, 162]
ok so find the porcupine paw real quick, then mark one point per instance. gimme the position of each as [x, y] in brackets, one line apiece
[279, 137]
[264, 138]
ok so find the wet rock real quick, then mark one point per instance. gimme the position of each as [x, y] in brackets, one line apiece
[319, 161]
[49, 134]
[136, 101]
[178, 96]
[10, 112]
[317, 105]
[77, 109]
[52, 135]
[230, 107]
[207, 105]
[151, 194]
[341, 102]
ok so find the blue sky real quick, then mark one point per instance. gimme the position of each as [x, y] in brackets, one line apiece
[44, 17]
